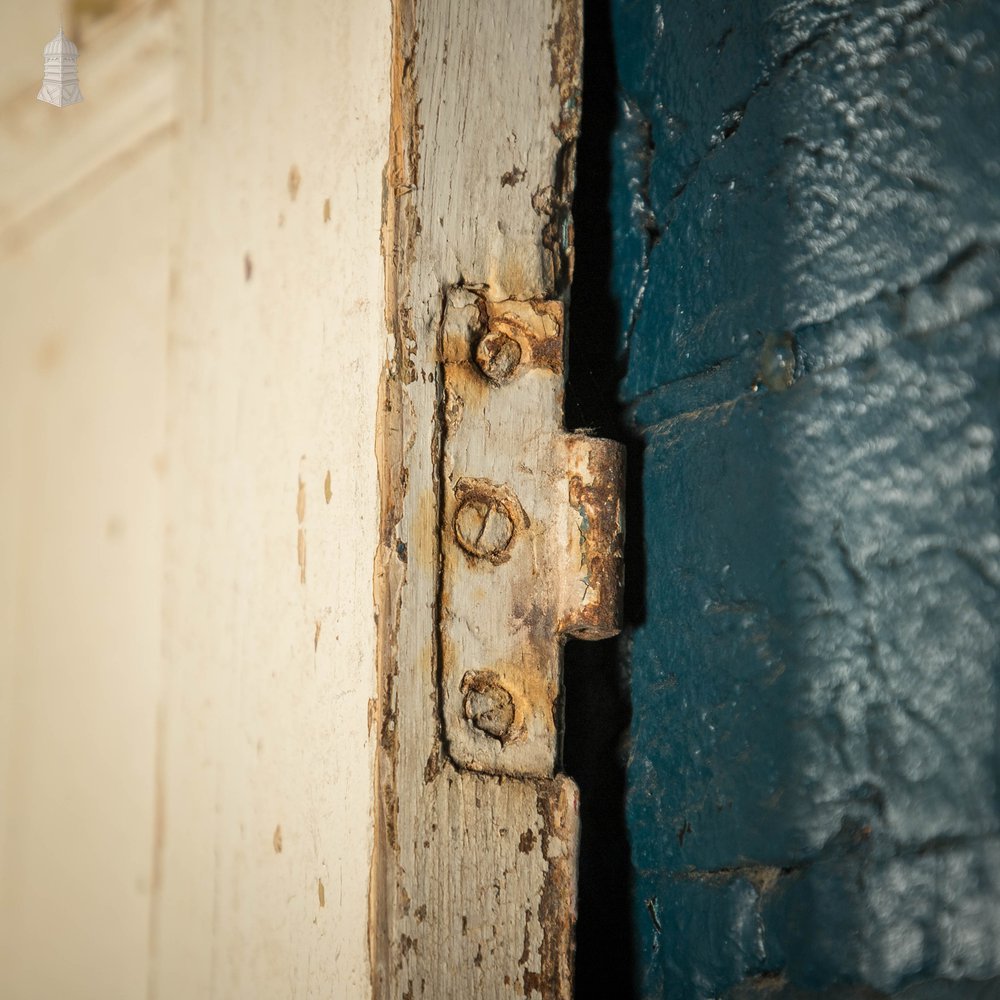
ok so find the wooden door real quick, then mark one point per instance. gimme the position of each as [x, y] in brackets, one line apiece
[234, 658]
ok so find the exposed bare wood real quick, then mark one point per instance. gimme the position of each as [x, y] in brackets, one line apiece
[247, 853]
[475, 880]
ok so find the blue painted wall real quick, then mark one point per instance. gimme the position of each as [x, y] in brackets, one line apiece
[806, 214]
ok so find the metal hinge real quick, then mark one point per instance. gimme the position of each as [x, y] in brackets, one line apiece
[531, 533]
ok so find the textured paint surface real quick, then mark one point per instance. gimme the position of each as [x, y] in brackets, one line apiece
[474, 878]
[807, 222]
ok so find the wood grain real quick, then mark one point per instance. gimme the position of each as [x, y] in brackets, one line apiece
[474, 889]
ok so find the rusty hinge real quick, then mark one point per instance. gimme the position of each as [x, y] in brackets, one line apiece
[531, 533]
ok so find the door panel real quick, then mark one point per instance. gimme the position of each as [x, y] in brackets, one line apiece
[191, 344]
[266, 756]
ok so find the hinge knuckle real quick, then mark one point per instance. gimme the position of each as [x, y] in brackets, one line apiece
[593, 577]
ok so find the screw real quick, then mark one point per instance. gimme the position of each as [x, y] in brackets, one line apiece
[498, 354]
[489, 706]
[483, 526]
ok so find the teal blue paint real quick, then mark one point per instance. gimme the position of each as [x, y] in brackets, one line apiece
[806, 207]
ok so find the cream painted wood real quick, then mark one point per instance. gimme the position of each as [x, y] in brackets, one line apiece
[83, 289]
[191, 505]
[187, 626]
[475, 895]
[277, 344]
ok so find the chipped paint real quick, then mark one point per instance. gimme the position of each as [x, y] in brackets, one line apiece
[512, 177]
[453, 874]
[300, 513]
[294, 182]
[399, 226]
[538, 529]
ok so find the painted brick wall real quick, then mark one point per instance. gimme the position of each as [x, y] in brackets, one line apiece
[806, 207]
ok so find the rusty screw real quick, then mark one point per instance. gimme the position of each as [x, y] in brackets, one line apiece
[484, 527]
[498, 354]
[489, 706]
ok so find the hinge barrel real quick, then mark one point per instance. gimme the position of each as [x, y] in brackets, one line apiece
[595, 497]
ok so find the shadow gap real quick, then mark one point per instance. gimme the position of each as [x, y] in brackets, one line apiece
[597, 703]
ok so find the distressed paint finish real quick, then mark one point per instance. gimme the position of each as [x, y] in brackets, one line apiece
[265, 764]
[808, 264]
[475, 886]
[531, 534]
[498, 615]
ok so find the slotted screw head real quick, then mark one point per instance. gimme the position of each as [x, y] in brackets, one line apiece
[498, 354]
[483, 526]
[489, 706]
